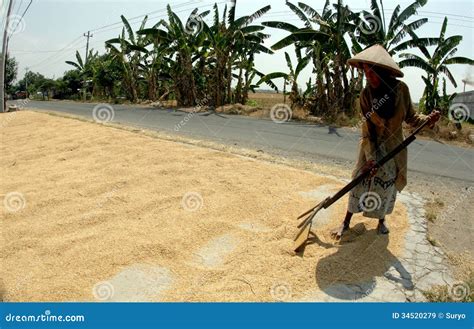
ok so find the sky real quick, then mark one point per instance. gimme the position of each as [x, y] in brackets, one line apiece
[52, 30]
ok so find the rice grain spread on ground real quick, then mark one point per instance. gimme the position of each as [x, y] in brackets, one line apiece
[112, 215]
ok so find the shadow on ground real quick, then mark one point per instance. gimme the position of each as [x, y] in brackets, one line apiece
[351, 272]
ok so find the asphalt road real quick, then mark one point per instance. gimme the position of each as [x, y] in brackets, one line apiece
[293, 139]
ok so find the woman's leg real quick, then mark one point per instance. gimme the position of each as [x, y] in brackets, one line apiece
[382, 228]
[337, 234]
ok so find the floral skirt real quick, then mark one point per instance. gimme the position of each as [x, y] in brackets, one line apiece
[376, 196]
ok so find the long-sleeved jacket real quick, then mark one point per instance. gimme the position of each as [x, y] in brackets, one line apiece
[388, 131]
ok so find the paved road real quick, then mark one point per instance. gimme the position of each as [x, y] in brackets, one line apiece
[308, 141]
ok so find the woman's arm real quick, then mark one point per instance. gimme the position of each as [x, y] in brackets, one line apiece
[367, 141]
[412, 118]
[415, 119]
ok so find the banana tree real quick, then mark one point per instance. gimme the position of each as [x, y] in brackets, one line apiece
[243, 61]
[182, 41]
[129, 51]
[107, 74]
[291, 77]
[436, 64]
[323, 39]
[371, 28]
[337, 23]
[233, 44]
[85, 69]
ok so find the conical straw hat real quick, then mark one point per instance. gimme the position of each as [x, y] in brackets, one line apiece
[376, 55]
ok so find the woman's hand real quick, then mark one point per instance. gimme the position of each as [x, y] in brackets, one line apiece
[370, 166]
[433, 118]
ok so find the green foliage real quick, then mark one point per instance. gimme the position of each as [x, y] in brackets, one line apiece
[252, 102]
[69, 85]
[371, 28]
[435, 64]
[323, 38]
[11, 71]
[35, 80]
[208, 58]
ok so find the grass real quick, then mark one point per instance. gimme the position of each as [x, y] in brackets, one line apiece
[252, 102]
[461, 291]
[433, 208]
[433, 241]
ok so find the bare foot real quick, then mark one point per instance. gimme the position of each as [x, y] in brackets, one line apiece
[339, 232]
[382, 229]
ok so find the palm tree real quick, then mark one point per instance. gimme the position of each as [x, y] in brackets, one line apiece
[436, 64]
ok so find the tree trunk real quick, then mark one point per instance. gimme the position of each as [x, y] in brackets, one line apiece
[219, 80]
[152, 85]
[228, 96]
[183, 78]
[238, 89]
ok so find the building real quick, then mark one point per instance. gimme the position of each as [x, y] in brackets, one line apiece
[466, 98]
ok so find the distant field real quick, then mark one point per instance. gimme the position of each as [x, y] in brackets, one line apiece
[266, 99]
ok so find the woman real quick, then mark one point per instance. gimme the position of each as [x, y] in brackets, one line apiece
[385, 103]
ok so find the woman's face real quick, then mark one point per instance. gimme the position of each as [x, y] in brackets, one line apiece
[372, 77]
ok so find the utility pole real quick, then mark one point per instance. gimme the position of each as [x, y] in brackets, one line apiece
[4, 58]
[88, 36]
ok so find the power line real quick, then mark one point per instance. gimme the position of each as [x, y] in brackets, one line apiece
[440, 23]
[61, 59]
[152, 17]
[16, 14]
[419, 12]
[140, 18]
[57, 56]
[424, 11]
[429, 22]
[19, 51]
[74, 42]
[21, 18]
[26, 10]
[431, 12]
[98, 30]
[17, 8]
[139, 22]
[283, 14]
